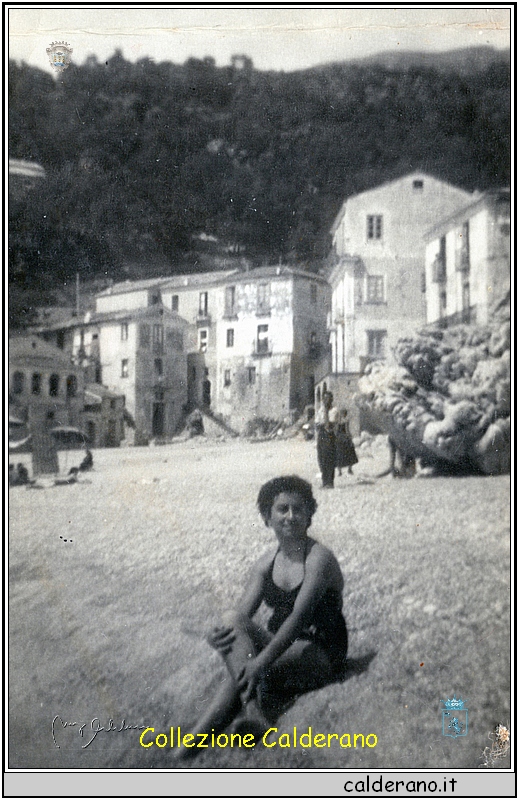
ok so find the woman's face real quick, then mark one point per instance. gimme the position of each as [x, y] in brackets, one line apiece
[289, 516]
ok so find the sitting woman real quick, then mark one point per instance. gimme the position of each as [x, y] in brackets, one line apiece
[304, 644]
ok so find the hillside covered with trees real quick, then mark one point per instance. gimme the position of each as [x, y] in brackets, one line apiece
[141, 158]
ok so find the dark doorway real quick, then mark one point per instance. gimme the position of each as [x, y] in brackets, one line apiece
[157, 425]
[111, 437]
[310, 390]
[91, 433]
[206, 392]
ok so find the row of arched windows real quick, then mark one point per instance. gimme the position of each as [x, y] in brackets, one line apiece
[36, 384]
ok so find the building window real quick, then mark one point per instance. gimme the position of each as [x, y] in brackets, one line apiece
[443, 302]
[377, 344]
[230, 337]
[313, 294]
[112, 404]
[155, 299]
[95, 336]
[158, 367]
[374, 226]
[203, 304]
[54, 385]
[99, 374]
[465, 301]
[262, 342]
[60, 339]
[263, 298]
[174, 302]
[375, 289]
[124, 368]
[71, 386]
[230, 301]
[418, 186]
[144, 336]
[203, 337]
[18, 382]
[158, 339]
[124, 332]
[175, 338]
[252, 375]
[227, 377]
[463, 253]
[36, 383]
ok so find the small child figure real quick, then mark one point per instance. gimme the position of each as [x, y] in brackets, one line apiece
[304, 644]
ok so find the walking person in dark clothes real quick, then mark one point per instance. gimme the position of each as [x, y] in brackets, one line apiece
[345, 455]
[326, 441]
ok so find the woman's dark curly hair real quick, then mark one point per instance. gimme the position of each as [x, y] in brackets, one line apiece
[287, 483]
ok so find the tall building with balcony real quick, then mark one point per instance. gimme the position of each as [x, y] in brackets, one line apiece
[255, 342]
[378, 276]
[261, 339]
[467, 261]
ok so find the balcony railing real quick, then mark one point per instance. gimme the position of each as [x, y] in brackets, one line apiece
[261, 347]
[203, 319]
[263, 310]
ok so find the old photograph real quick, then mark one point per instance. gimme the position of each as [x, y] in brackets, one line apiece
[259, 391]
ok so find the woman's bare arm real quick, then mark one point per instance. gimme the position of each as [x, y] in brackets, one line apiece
[251, 599]
[321, 572]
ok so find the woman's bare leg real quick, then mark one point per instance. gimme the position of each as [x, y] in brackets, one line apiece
[227, 704]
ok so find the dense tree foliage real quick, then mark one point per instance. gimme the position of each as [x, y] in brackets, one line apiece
[140, 157]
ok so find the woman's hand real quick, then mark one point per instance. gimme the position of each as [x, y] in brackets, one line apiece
[221, 639]
[248, 679]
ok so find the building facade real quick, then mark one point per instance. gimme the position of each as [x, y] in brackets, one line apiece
[142, 357]
[377, 280]
[467, 261]
[254, 340]
[46, 389]
[103, 416]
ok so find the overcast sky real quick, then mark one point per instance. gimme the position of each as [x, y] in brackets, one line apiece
[280, 38]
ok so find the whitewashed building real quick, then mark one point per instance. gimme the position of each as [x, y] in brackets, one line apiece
[467, 261]
[377, 280]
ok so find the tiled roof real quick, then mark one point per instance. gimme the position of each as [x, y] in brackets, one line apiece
[98, 317]
[32, 347]
[192, 279]
[463, 213]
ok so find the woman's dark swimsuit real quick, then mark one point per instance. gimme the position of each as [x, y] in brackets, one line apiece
[326, 626]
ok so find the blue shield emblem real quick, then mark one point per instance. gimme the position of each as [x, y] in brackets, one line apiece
[455, 718]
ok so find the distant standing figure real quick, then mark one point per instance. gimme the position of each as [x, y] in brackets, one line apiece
[345, 455]
[87, 463]
[326, 441]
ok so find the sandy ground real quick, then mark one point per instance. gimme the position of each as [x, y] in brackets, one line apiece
[113, 582]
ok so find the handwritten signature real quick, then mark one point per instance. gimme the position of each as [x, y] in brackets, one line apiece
[95, 728]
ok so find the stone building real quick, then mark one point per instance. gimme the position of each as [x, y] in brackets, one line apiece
[467, 261]
[378, 276]
[103, 417]
[142, 357]
[46, 392]
[254, 342]
[44, 384]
